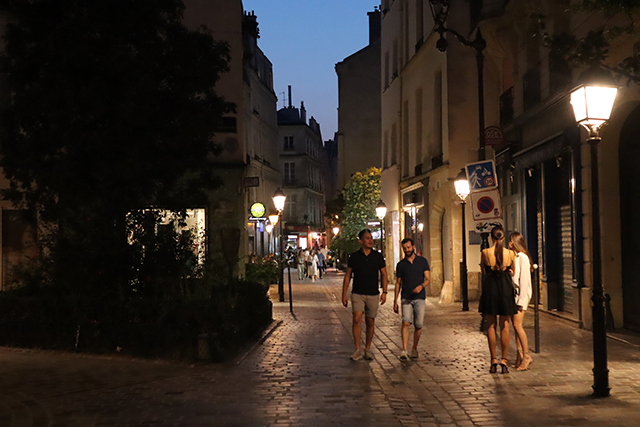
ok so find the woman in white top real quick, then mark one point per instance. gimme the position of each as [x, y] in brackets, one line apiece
[523, 293]
[313, 268]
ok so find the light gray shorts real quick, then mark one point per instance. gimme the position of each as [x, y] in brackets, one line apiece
[368, 304]
[413, 311]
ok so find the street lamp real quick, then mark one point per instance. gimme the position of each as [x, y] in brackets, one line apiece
[381, 212]
[279, 200]
[269, 228]
[462, 190]
[336, 230]
[592, 103]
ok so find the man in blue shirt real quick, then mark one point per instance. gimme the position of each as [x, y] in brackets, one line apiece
[321, 262]
[366, 265]
[413, 275]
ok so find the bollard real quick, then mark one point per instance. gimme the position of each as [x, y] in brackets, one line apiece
[536, 306]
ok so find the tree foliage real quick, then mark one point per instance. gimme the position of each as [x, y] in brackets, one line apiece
[112, 109]
[361, 196]
[593, 49]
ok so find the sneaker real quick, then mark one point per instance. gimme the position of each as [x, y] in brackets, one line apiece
[404, 356]
[414, 353]
[368, 355]
[357, 355]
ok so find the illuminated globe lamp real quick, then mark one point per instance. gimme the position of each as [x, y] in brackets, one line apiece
[279, 199]
[336, 230]
[273, 219]
[381, 212]
[592, 103]
[461, 185]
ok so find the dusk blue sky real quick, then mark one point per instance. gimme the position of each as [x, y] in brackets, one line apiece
[304, 39]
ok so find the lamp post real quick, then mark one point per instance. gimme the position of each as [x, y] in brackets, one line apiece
[279, 200]
[381, 212]
[592, 104]
[462, 190]
[275, 219]
[440, 13]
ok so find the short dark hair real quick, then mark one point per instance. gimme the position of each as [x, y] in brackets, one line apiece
[363, 232]
[407, 240]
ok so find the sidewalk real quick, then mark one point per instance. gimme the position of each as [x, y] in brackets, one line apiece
[301, 375]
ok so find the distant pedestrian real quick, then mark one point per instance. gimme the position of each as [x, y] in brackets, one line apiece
[497, 304]
[413, 275]
[307, 262]
[366, 266]
[300, 258]
[321, 263]
[313, 266]
[524, 292]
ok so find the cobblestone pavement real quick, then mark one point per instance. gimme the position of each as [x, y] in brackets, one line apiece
[301, 375]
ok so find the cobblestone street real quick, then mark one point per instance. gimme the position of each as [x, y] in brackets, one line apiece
[301, 375]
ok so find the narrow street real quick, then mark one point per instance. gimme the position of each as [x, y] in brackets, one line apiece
[301, 375]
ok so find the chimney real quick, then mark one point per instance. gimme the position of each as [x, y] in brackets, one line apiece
[303, 112]
[290, 97]
[374, 25]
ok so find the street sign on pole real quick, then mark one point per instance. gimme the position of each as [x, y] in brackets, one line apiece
[486, 205]
[482, 176]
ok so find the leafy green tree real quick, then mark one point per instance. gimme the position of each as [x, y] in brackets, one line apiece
[593, 48]
[361, 196]
[112, 109]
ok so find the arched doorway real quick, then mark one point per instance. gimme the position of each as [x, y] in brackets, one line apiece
[629, 156]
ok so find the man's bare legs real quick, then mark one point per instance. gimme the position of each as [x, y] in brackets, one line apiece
[405, 335]
[357, 328]
[370, 321]
[416, 337]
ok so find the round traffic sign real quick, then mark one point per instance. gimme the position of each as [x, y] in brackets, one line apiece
[489, 181]
[485, 205]
[258, 210]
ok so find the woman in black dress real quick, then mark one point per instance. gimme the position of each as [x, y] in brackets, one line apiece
[497, 303]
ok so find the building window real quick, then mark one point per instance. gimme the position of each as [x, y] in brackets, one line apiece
[291, 208]
[289, 173]
[288, 142]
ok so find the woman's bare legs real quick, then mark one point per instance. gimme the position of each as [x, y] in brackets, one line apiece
[523, 342]
[491, 335]
[504, 336]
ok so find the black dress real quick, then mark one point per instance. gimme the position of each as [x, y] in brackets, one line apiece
[497, 296]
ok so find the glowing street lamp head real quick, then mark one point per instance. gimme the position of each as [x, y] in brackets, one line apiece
[462, 185]
[336, 230]
[279, 198]
[274, 218]
[593, 100]
[269, 228]
[381, 210]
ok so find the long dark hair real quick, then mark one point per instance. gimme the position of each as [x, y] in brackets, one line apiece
[520, 245]
[497, 235]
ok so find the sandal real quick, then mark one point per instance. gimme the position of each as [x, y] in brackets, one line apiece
[494, 366]
[526, 363]
[518, 360]
[504, 367]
